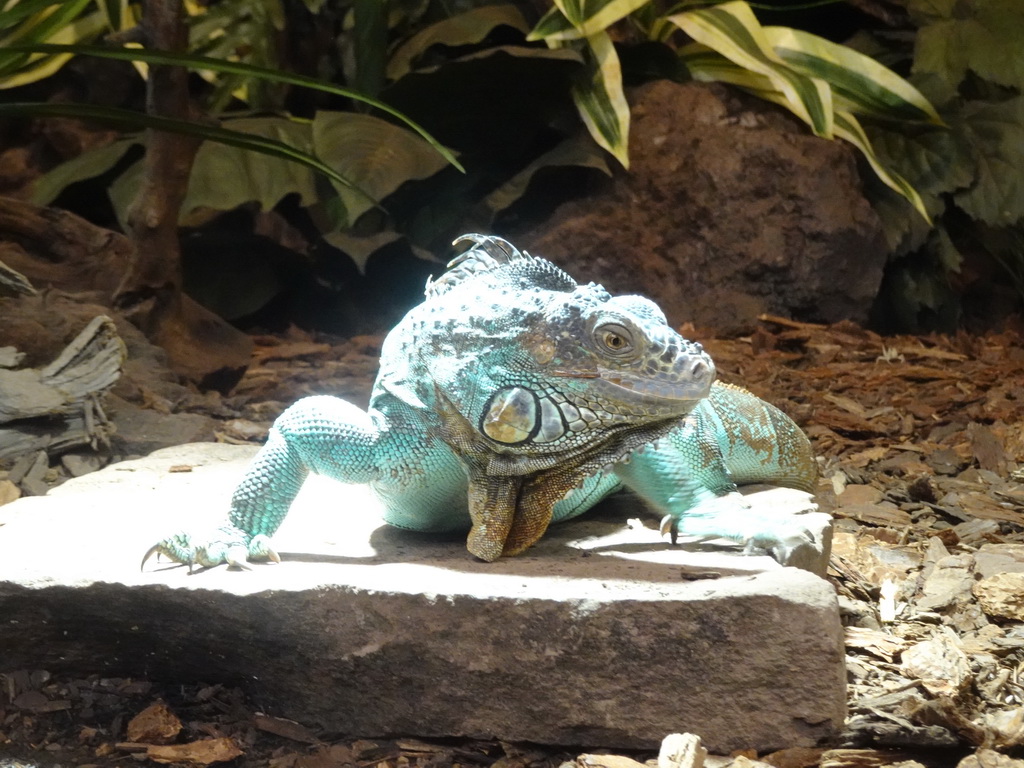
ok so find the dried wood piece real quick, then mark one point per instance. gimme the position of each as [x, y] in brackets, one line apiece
[939, 663]
[881, 644]
[989, 758]
[156, 724]
[201, 752]
[57, 407]
[12, 282]
[864, 758]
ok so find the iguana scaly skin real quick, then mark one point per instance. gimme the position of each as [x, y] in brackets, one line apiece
[513, 397]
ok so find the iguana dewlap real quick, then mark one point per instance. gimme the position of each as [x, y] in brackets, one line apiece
[513, 397]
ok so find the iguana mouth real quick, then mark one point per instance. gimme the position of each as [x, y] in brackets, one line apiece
[690, 389]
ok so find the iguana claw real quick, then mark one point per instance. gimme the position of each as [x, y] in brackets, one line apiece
[229, 545]
[669, 525]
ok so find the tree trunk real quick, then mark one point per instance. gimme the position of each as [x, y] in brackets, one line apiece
[198, 343]
[150, 292]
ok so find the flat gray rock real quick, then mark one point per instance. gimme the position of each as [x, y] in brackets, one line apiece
[601, 635]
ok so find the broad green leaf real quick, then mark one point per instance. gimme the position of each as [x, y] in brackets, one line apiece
[945, 251]
[125, 118]
[861, 84]
[459, 98]
[600, 99]
[935, 161]
[225, 177]
[996, 132]
[931, 9]
[220, 65]
[582, 18]
[572, 152]
[467, 28]
[87, 165]
[733, 31]
[847, 127]
[359, 249]
[939, 50]
[376, 156]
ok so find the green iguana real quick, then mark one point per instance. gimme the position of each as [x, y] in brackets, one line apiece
[513, 397]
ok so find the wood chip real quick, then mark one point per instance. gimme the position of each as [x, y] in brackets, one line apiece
[939, 663]
[202, 752]
[1002, 595]
[156, 724]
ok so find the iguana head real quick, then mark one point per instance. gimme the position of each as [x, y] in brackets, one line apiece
[541, 382]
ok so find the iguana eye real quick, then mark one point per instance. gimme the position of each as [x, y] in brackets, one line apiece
[614, 338]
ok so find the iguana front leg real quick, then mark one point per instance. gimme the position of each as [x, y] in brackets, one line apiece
[691, 476]
[326, 435]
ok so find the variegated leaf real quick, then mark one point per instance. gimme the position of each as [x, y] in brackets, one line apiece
[600, 99]
[733, 30]
[860, 84]
[575, 19]
[847, 127]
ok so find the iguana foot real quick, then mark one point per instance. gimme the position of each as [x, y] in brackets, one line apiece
[790, 539]
[224, 545]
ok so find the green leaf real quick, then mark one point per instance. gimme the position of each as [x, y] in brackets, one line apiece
[239, 30]
[582, 18]
[467, 28]
[87, 165]
[708, 65]
[372, 154]
[732, 30]
[931, 9]
[125, 118]
[987, 42]
[359, 249]
[935, 161]
[861, 84]
[60, 24]
[116, 13]
[553, 26]
[572, 152]
[224, 178]
[599, 97]
[457, 100]
[12, 14]
[847, 127]
[220, 65]
[996, 131]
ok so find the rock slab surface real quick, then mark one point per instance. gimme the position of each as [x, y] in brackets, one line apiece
[601, 635]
